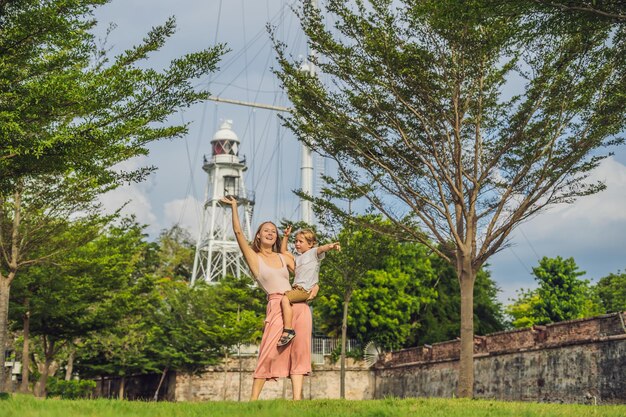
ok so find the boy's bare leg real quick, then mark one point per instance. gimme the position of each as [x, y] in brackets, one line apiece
[285, 304]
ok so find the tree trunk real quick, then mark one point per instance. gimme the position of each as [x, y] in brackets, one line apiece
[69, 368]
[239, 354]
[120, 393]
[226, 381]
[5, 288]
[24, 387]
[43, 379]
[5, 281]
[344, 336]
[45, 370]
[466, 360]
[156, 393]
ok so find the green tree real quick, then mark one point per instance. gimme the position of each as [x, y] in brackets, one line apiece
[560, 295]
[175, 254]
[413, 299]
[69, 109]
[196, 326]
[183, 329]
[416, 103]
[611, 290]
[385, 300]
[39, 232]
[604, 9]
[382, 309]
[88, 289]
[118, 351]
[439, 320]
[341, 273]
[68, 106]
[242, 309]
[523, 310]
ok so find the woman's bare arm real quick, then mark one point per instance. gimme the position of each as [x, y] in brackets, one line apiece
[248, 254]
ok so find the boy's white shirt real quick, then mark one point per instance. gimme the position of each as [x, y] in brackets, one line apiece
[307, 272]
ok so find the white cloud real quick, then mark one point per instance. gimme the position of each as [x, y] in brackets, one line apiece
[593, 217]
[136, 202]
[133, 197]
[186, 213]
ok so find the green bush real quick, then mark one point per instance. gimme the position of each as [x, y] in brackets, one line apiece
[72, 389]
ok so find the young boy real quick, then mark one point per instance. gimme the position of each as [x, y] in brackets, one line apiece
[306, 277]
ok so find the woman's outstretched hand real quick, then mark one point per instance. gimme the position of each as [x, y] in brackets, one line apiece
[230, 200]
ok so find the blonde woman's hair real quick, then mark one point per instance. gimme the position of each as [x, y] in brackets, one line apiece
[309, 235]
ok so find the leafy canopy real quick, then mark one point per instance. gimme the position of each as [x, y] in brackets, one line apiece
[67, 106]
[560, 295]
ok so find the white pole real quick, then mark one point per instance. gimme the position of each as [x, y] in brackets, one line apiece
[307, 183]
[307, 158]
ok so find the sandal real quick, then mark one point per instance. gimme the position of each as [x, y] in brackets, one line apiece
[288, 335]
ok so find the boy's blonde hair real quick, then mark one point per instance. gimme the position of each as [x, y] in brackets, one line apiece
[309, 235]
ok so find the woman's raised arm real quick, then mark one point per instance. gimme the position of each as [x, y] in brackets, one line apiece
[248, 254]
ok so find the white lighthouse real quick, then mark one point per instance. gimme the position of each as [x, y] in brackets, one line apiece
[217, 252]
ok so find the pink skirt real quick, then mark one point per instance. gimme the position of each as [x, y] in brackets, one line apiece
[292, 359]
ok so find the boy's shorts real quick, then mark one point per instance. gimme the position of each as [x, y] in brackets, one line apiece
[297, 295]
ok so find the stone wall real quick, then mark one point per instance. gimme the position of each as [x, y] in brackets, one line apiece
[227, 383]
[576, 361]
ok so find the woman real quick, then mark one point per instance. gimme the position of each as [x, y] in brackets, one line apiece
[269, 268]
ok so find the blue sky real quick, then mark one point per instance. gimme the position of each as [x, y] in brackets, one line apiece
[592, 231]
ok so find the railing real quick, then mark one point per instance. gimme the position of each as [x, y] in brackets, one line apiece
[321, 347]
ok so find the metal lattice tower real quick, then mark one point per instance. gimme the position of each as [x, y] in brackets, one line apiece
[217, 252]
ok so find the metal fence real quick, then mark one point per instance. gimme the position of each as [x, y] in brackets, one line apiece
[321, 347]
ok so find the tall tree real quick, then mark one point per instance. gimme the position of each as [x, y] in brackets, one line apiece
[68, 108]
[386, 299]
[87, 289]
[35, 230]
[561, 295]
[362, 250]
[175, 254]
[413, 299]
[41, 277]
[611, 291]
[440, 320]
[458, 121]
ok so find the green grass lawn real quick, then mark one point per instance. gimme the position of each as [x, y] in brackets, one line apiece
[27, 406]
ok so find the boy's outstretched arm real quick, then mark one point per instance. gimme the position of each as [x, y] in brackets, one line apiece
[327, 247]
